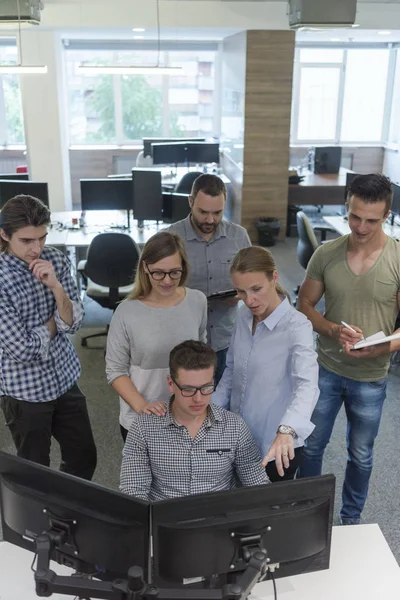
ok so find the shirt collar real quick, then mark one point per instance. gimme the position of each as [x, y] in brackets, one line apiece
[13, 262]
[190, 233]
[212, 418]
[273, 319]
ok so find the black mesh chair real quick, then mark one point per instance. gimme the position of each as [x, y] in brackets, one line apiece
[184, 186]
[109, 271]
[307, 242]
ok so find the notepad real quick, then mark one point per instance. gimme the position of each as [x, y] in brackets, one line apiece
[376, 338]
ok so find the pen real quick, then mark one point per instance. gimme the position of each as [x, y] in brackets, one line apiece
[350, 328]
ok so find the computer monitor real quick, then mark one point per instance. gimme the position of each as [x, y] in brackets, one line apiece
[15, 176]
[74, 522]
[175, 206]
[235, 534]
[106, 194]
[202, 152]
[396, 199]
[169, 154]
[147, 142]
[147, 195]
[349, 179]
[212, 534]
[327, 160]
[10, 188]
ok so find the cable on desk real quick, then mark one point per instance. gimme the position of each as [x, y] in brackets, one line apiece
[33, 562]
[274, 585]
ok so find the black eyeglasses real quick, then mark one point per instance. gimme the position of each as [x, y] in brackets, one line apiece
[157, 275]
[188, 391]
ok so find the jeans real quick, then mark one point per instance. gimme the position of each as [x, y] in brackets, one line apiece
[33, 424]
[363, 402]
[221, 364]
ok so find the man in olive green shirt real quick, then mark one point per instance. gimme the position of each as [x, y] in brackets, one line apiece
[359, 274]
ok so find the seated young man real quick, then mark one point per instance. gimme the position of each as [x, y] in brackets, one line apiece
[196, 447]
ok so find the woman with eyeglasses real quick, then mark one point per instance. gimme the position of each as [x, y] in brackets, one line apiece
[159, 314]
[271, 374]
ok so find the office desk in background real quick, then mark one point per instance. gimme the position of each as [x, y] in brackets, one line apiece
[341, 225]
[98, 221]
[319, 189]
[362, 567]
[170, 176]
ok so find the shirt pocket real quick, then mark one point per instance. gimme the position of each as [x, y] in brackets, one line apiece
[225, 269]
[385, 291]
[217, 461]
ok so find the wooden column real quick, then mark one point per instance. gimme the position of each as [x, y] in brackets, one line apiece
[266, 112]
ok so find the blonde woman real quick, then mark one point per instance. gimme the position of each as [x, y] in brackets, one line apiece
[159, 314]
[271, 377]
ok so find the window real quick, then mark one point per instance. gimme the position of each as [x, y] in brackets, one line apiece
[11, 118]
[363, 103]
[333, 99]
[318, 102]
[122, 109]
[394, 132]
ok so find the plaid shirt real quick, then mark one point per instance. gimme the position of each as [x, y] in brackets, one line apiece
[161, 460]
[34, 367]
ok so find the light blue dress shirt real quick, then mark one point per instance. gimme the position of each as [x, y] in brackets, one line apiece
[271, 377]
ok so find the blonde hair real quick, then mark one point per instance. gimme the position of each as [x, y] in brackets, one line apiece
[159, 246]
[257, 260]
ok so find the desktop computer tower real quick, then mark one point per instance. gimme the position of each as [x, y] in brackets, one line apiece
[325, 159]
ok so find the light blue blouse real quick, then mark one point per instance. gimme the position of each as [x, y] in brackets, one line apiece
[271, 377]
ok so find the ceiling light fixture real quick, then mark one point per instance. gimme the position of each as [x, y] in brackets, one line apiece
[138, 30]
[384, 32]
[20, 67]
[157, 69]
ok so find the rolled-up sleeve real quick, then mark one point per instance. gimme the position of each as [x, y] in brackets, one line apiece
[118, 355]
[71, 289]
[304, 373]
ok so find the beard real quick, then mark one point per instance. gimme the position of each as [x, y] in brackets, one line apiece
[205, 227]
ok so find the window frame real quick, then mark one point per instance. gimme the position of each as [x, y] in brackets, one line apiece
[294, 140]
[5, 143]
[120, 140]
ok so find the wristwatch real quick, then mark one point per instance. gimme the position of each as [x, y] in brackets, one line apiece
[287, 429]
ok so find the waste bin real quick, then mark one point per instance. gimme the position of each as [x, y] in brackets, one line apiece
[268, 230]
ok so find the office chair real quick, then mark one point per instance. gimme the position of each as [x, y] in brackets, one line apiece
[184, 186]
[109, 271]
[143, 161]
[307, 242]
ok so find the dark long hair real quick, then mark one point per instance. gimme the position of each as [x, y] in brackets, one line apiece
[22, 211]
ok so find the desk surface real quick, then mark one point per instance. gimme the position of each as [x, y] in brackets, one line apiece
[327, 179]
[98, 221]
[341, 225]
[319, 189]
[362, 568]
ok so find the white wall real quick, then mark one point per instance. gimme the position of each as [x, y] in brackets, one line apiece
[45, 116]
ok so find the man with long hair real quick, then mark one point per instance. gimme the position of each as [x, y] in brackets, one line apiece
[39, 368]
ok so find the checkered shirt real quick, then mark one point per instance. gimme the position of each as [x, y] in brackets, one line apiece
[34, 367]
[161, 460]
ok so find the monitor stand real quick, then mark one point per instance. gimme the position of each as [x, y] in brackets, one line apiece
[134, 587]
